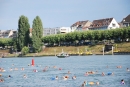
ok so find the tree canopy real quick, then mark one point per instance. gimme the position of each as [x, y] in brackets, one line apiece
[37, 34]
[23, 32]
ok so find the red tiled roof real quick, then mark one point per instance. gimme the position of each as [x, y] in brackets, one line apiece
[127, 19]
[79, 23]
[101, 23]
[30, 30]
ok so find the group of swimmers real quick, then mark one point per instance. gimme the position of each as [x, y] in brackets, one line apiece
[66, 77]
[11, 69]
[85, 83]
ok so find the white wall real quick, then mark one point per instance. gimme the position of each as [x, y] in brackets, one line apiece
[111, 24]
[73, 28]
[65, 29]
[10, 33]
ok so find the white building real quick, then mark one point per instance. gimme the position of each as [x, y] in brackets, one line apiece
[8, 33]
[65, 29]
[126, 21]
[102, 24]
[81, 25]
[50, 31]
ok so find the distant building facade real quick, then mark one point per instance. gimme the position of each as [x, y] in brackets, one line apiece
[102, 24]
[50, 31]
[8, 34]
[126, 21]
[65, 29]
[80, 25]
[30, 32]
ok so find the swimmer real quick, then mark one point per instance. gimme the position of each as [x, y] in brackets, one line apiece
[119, 66]
[65, 77]
[97, 83]
[74, 77]
[44, 70]
[60, 68]
[91, 72]
[12, 64]
[122, 81]
[128, 69]
[103, 74]
[2, 70]
[56, 78]
[24, 76]
[35, 70]
[68, 72]
[86, 74]
[15, 68]
[54, 67]
[11, 69]
[1, 80]
[83, 85]
[9, 76]
[22, 68]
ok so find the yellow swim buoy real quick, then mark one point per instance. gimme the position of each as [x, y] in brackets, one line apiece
[91, 83]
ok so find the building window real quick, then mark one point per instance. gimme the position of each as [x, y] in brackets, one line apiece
[113, 25]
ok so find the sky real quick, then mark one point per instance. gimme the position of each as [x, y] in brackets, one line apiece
[60, 13]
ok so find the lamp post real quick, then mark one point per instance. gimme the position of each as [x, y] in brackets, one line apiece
[16, 53]
[112, 50]
[103, 50]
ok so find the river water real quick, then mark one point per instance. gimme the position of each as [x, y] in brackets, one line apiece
[77, 65]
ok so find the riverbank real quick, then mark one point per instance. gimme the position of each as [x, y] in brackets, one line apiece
[119, 48]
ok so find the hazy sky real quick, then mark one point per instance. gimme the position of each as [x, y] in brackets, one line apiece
[58, 13]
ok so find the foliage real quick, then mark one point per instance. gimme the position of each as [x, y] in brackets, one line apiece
[37, 33]
[113, 34]
[23, 32]
[25, 50]
[6, 42]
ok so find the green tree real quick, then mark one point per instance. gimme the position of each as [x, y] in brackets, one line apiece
[37, 33]
[94, 36]
[25, 50]
[6, 42]
[23, 32]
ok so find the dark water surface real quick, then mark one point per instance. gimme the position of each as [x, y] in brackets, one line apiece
[77, 65]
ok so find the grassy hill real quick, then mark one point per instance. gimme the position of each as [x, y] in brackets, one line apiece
[97, 49]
